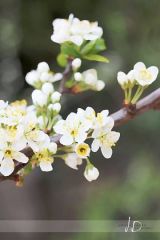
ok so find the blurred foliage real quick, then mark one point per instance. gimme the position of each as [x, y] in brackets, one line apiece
[129, 183]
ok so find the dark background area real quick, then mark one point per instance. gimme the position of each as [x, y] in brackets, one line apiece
[129, 182]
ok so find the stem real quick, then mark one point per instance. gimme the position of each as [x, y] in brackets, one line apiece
[129, 95]
[137, 94]
[66, 73]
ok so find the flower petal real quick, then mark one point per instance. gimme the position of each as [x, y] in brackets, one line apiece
[154, 72]
[46, 166]
[95, 145]
[106, 151]
[139, 66]
[7, 167]
[66, 140]
[20, 157]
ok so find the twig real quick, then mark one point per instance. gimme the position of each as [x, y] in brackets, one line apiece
[66, 73]
[150, 102]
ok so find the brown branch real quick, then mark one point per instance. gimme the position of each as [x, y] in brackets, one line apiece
[150, 102]
[66, 74]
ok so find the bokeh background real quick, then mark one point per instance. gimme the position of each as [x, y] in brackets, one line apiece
[129, 182]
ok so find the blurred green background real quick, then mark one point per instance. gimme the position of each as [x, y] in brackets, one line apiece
[129, 182]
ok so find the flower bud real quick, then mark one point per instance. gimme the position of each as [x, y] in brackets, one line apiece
[78, 76]
[56, 107]
[56, 97]
[45, 76]
[100, 85]
[39, 98]
[43, 67]
[47, 88]
[91, 173]
[76, 63]
[32, 77]
[52, 147]
[57, 77]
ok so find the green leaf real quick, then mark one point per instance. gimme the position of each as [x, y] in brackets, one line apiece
[88, 48]
[62, 59]
[100, 45]
[70, 49]
[96, 57]
[94, 47]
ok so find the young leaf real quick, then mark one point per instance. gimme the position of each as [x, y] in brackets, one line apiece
[70, 49]
[94, 47]
[96, 57]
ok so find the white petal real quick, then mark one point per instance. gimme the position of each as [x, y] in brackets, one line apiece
[43, 67]
[81, 137]
[59, 127]
[34, 145]
[114, 136]
[100, 85]
[154, 72]
[139, 66]
[122, 78]
[72, 160]
[131, 76]
[20, 144]
[106, 151]
[52, 147]
[46, 166]
[66, 140]
[91, 174]
[95, 145]
[20, 157]
[78, 40]
[7, 167]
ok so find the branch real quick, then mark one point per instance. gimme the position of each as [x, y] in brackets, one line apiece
[66, 73]
[150, 102]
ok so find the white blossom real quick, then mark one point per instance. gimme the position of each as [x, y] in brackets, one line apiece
[42, 75]
[91, 173]
[9, 153]
[78, 76]
[87, 116]
[105, 139]
[72, 160]
[56, 107]
[71, 129]
[75, 31]
[145, 76]
[39, 98]
[76, 63]
[126, 80]
[90, 78]
[47, 88]
[56, 96]
[82, 150]
[45, 156]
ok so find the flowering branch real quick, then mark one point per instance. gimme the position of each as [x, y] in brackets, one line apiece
[150, 102]
[33, 136]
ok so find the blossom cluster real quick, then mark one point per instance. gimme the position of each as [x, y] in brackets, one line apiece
[45, 98]
[19, 130]
[75, 30]
[42, 75]
[81, 127]
[139, 76]
[89, 80]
